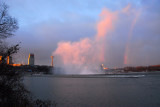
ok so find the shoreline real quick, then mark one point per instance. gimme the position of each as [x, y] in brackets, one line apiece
[113, 75]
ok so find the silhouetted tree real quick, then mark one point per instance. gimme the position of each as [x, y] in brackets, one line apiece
[12, 90]
[8, 24]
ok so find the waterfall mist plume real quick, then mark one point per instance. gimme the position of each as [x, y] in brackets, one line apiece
[85, 56]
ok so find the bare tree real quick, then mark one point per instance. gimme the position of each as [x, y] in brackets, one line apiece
[8, 24]
[12, 90]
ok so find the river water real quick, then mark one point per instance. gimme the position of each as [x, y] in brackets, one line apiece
[138, 90]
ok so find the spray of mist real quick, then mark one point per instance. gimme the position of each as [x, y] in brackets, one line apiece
[86, 56]
[126, 54]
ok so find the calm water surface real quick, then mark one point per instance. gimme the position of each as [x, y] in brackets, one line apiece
[143, 91]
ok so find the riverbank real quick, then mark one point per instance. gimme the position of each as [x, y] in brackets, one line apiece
[109, 75]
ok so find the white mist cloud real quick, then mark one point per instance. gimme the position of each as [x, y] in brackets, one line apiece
[88, 53]
[113, 44]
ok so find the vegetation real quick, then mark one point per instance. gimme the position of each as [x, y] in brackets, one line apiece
[142, 68]
[12, 90]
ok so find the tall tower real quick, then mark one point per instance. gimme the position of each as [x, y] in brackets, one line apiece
[52, 61]
[31, 59]
[9, 60]
[0, 59]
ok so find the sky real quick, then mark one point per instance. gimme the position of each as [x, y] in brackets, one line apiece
[116, 33]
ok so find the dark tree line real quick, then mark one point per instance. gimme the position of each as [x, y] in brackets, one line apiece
[12, 90]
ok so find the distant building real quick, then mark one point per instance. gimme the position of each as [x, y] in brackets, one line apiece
[0, 59]
[52, 61]
[103, 68]
[9, 60]
[31, 59]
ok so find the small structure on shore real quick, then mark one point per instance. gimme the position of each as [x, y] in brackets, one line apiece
[31, 59]
[52, 61]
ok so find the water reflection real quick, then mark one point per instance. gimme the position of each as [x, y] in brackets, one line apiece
[97, 92]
